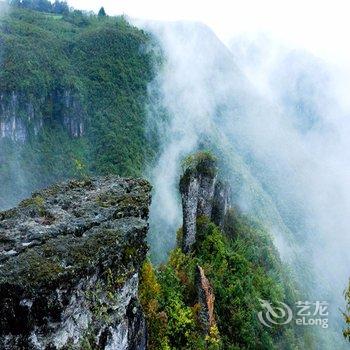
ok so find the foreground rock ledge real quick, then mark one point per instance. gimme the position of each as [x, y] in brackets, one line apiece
[70, 257]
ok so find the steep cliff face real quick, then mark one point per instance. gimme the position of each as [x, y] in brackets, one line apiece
[22, 116]
[12, 126]
[72, 113]
[203, 194]
[70, 258]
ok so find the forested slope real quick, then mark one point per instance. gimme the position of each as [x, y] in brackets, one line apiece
[73, 91]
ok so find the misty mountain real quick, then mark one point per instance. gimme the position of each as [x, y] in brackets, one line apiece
[84, 95]
[277, 142]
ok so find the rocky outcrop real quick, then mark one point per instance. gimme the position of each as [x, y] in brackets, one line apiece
[70, 257]
[202, 195]
[206, 300]
[21, 116]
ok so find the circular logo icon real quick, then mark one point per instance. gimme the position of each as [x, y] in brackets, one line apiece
[274, 315]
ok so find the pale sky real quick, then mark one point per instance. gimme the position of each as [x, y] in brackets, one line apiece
[321, 26]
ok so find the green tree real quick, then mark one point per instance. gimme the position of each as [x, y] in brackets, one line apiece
[60, 7]
[102, 12]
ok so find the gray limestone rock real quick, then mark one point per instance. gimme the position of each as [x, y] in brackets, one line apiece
[203, 194]
[70, 257]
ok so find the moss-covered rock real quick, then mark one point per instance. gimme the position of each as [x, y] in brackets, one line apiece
[70, 259]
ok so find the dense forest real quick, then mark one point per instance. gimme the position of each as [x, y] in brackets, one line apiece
[83, 78]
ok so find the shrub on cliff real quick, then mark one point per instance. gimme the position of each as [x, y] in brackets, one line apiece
[203, 162]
